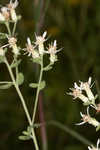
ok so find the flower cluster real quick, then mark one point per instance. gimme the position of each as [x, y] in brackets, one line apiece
[8, 12]
[78, 92]
[86, 118]
[85, 94]
[37, 50]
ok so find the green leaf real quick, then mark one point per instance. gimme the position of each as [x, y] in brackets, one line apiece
[42, 85]
[20, 78]
[37, 60]
[33, 85]
[3, 35]
[15, 64]
[49, 67]
[24, 138]
[98, 128]
[6, 86]
[2, 58]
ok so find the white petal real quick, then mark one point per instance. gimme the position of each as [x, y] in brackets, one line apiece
[81, 123]
[44, 34]
[55, 43]
[89, 148]
[28, 41]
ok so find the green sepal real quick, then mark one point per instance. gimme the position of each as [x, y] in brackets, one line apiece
[15, 64]
[20, 78]
[6, 86]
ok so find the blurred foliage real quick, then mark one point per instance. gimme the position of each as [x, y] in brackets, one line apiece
[76, 26]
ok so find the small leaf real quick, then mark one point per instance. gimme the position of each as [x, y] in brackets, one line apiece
[37, 60]
[13, 65]
[98, 128]
[42, 85]
[33, 85]
[49, 67]
[3, 35]
[2, 58]
[25, 133]
[24, 138]
[6, 86]
[20, 78]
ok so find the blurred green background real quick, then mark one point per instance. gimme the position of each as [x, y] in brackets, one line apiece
[76, 26]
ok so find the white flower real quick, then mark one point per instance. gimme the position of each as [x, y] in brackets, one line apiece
[41, 39]
[52, 50]
[11, 7]
[30, 49]
[2, 18]
[88, 119]
[40, 42]
[86, 86]
[12, 42]
[94, 148]
[5, 13]
[77, 93]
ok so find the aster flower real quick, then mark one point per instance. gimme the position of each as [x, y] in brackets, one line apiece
[12, 42]
[86, 86]
[77, 93]
[30, 49]
[40, 42]
[2, 18]
[88, 119]
[5, 13]
[52, 50]
[94, 148]
[12, 6]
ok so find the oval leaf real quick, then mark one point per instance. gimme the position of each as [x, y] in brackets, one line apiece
[6, 86]
[42, 85]
[47, 68]
[20, 78]
[33, 85]
[24, 138]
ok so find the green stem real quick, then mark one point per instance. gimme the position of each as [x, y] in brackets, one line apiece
[70, 131]
[23, 103]
[15, 57]
[8, 28]
[14, 28]
[38, 90]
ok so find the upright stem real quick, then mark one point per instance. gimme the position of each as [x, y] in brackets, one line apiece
[8, 28]
[14, 28]
[23, 103]
[38, 90]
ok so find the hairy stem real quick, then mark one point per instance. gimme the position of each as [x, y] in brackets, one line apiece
[38, 90]
[23, 103]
